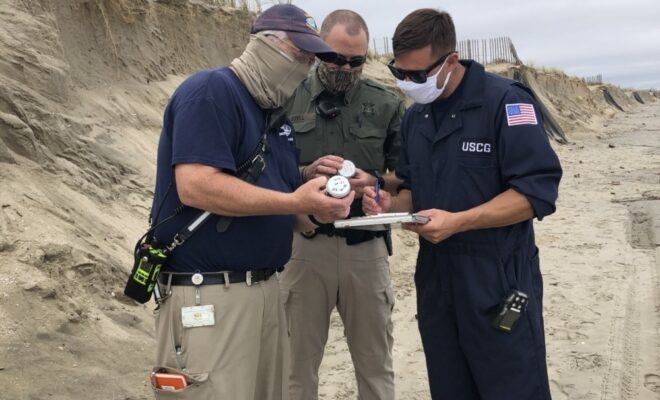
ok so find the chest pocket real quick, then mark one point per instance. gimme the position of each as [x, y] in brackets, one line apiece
[478, 174]
[367, 142]
[476, 161]
[309, 144]
[476, 153]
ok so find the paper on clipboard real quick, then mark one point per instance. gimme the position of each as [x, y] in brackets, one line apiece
[382, 219]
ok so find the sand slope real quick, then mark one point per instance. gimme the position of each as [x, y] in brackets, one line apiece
[83, 85]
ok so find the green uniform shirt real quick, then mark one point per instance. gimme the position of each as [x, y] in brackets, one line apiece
[366, 131]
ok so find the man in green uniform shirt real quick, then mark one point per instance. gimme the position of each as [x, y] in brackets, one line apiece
[338, 116]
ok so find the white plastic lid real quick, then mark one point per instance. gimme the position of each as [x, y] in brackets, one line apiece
[338, 187]
[347, 169]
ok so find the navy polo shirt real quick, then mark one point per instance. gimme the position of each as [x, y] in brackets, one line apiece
[213, 120]
[477, 149]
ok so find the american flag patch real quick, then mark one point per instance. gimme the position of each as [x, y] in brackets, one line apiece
[520, 114]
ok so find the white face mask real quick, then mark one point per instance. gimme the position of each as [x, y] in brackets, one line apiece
[427, 92]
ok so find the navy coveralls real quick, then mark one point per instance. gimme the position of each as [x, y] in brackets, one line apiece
[454, 163]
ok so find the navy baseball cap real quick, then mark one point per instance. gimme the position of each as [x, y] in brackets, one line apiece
[299, 26]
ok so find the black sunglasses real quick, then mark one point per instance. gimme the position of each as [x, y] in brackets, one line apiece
[417, 76]
[354, 62]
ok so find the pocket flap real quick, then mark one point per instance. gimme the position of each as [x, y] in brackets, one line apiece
[368, 132]
[304, 123]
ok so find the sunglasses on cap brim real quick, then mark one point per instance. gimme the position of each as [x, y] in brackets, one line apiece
[417, 76]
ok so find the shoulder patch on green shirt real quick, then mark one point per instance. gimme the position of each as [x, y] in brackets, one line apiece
[368, 109]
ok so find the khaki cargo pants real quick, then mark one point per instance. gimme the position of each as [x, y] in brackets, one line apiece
[323, 273]
[243, 357]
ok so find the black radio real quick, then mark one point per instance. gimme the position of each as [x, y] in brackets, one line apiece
[327, 109]
[512, 307]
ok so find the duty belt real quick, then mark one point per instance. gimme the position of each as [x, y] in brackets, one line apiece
[360, 235]
[216, 278]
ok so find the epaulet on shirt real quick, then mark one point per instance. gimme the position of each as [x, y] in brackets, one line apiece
[507, 85]
[379, 86]
[306, 84]
[523, 87]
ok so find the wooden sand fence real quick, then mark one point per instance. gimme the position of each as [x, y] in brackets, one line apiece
[485, 51]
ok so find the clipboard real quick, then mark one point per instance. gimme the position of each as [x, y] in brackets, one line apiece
[382, 219]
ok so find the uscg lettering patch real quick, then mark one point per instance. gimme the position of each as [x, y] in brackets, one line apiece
[520, 114]
[477, 146]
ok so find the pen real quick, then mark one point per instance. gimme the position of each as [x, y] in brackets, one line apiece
[377, 187]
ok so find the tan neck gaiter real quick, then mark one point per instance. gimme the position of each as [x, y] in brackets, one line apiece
[270, 75]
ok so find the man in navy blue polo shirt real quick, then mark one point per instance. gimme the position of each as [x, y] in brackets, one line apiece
[476, 160]
[221, 325]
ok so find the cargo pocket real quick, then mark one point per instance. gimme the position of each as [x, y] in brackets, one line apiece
[536, 277]
[366, 146]
[507, 275]
[390, 298]
[285, 294]
[195, 382]
[306, 140]
[506, 270]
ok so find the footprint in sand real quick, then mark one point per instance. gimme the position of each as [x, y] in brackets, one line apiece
[652, 382]
[559, 390]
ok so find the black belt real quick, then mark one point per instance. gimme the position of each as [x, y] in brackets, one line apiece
[352, 236]
[340, 232]
[217, 278]
[363, 235]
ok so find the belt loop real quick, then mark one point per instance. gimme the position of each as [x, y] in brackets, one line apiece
[248, 278]
[226, 275]
[162, 296]
[157, 295]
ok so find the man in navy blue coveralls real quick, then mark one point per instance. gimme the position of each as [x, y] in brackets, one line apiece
[475, 159]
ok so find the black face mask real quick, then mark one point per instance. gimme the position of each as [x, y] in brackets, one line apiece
[338, 80]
